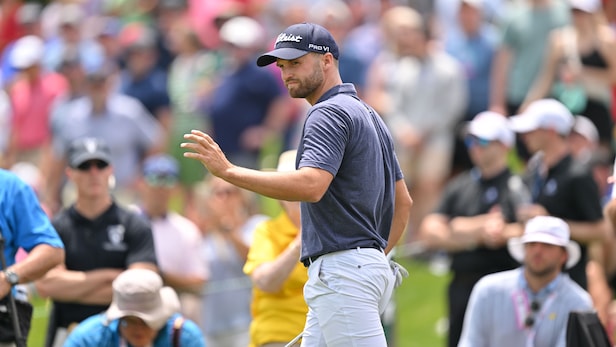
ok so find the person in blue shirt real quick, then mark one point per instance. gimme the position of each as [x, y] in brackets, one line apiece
[143, 313]
[23, 223]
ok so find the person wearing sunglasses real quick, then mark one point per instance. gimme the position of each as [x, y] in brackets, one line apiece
[176, 238]
[476, 215]
[530, 305]
[102, 239]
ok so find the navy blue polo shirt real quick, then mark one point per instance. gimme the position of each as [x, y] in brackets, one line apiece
[570, 192]
[345, 137]
[468, 195]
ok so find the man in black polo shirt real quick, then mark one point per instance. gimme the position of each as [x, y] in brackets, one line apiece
[560, 186]
[476, 215]
[101, 240]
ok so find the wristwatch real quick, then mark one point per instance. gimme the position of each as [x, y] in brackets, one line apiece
[11, 277]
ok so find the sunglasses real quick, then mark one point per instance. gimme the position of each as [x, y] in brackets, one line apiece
[530, 320]
[471, 141]
[86, 166]
[161, 180]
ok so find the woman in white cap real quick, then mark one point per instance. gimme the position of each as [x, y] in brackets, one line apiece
[143, 313]
[580, 67]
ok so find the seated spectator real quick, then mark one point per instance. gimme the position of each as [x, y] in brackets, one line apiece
[528, 306]
[142, 313]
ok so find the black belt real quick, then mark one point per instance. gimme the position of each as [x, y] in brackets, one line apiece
[312, 259]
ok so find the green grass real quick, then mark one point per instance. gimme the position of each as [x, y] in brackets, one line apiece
[421, 309]
[39, 322]
[420, 302]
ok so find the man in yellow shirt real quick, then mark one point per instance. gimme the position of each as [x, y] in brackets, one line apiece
[278, 306]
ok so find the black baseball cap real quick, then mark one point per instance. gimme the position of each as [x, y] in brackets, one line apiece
[298, 40]
[88, 148]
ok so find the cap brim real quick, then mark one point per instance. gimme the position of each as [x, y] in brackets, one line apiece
[280, 53]
[515, 246]
[154, 319]
[522, 124]
[90, 156]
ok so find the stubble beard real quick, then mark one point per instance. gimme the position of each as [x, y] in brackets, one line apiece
[306, 87]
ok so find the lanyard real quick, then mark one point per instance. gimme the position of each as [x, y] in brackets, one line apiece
[522, 311]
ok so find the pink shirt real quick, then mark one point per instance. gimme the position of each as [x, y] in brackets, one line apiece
[32, 104]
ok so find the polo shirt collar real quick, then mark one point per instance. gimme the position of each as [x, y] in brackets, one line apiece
[345, 88]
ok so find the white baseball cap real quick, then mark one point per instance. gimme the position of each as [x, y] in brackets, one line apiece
[243, 32]
[543, 114]
[545, 229]
[491, 126]
[586, 128]
[589, 6]
[28, 51]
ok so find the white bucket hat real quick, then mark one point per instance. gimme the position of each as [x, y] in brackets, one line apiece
[140, 293]
[545, 229]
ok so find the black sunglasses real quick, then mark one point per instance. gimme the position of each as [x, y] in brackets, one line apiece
[530, 320]
[86, 166]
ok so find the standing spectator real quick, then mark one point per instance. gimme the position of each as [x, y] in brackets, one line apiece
[63, 27]
[560, 186]
[119, 120]
[32, 94]
[248, 106]
[522, 52]
[520, 55]
[142, 313]
[407, 83]
[177, 239]
[102, 239]
[278, 305]
[24, 224]
[28, 17]
[191, 77]
[524, 30]
[473, 45]
[528, 306]
[142, 78]
[476, 215]
[580, 68]
[353, 214]
[228, 224]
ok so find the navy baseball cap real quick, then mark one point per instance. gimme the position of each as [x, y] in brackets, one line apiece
[298, 40]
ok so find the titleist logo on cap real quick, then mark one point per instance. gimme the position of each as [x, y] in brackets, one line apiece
[284, 37]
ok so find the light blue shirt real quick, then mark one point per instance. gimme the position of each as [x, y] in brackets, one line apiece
[95, 332]
[495, 315]
[128, 128]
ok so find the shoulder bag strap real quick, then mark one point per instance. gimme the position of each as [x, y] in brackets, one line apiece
[177, 330]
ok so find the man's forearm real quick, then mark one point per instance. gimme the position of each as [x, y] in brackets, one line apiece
[66, 285]
[39, 261]
[402, 211]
